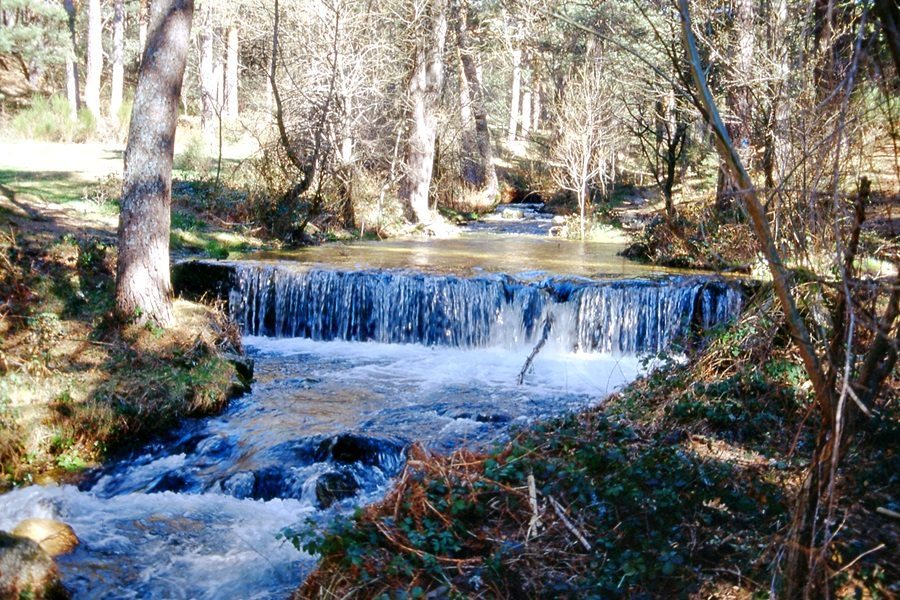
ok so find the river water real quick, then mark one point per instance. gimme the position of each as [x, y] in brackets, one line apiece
[361, 350]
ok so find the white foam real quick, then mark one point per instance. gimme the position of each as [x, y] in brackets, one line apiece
[169, 545]
[592, 374]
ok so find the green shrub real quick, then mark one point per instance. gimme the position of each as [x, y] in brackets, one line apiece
[49, 120]
[193, 159]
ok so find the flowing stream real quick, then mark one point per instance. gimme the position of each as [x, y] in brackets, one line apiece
[355, 361]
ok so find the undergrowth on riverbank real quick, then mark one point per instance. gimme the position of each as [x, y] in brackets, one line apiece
[680, 486]
[74, 383]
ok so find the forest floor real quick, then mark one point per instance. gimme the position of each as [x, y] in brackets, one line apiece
[679, 486]
[75, 385]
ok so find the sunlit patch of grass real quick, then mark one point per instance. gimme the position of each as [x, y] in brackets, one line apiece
[217, 244]
[50, 186]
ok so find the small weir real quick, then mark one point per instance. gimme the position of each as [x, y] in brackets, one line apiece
[617, 316]
[351, 367]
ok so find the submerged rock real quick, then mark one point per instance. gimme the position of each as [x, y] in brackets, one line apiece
[334, 487]
[348, 448]
[54, 537]
[26, 571]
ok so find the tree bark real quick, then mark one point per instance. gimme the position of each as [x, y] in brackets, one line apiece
[207, 73]
[94, 58]
[526, 113]
[231, 73]
[514, 94]
[143, 286]
[72, 63]
[118, 61]
[426, 81]
[468, 146]
[485, 175]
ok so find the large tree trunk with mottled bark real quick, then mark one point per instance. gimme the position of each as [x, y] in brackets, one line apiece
[94, 59]
[143, 286]
[484, 175]
[118, 61]
[425, 83]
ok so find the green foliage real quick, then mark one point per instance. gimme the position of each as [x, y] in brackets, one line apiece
[188, 221]
[50, 120]
[39, 35]
[640, 503]
[105, 194]
[193, 160]
[745, 407]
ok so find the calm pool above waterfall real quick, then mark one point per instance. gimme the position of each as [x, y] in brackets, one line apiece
[361, 350]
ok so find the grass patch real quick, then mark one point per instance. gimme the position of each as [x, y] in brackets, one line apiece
[212, 244]
[51, 186]
[50, 120]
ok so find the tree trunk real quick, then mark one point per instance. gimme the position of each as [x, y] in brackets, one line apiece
[94, 59]
[118, 61]
[143, 287]
[536, 107]
[219, 78]
[526, 113]
[486, 175]
[468, 146]
[888, 14]
[231, 73]
[514, 95]
[72, 63]
[207, 73]
[425, 84]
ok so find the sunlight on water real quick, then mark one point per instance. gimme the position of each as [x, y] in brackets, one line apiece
[475, 253]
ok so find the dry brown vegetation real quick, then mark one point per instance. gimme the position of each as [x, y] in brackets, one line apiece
[75, 384]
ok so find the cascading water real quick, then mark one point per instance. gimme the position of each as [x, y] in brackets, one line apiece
[617, 317]
[196, 515]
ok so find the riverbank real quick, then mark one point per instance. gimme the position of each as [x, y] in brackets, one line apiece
[75, 385]
[679, 486]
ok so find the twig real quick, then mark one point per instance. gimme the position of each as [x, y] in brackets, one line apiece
[881, 510]
[535, 514]
[444, 559]
[562, 517]
[857, 559]
[548, 325]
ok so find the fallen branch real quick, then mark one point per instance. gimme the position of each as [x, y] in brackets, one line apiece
[548, 325]
[535, 522]
[881, 510]
[565, 520]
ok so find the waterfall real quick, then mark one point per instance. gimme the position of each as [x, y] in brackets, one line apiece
[617, 316]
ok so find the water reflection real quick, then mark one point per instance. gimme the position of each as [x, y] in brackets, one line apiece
[474, 253]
